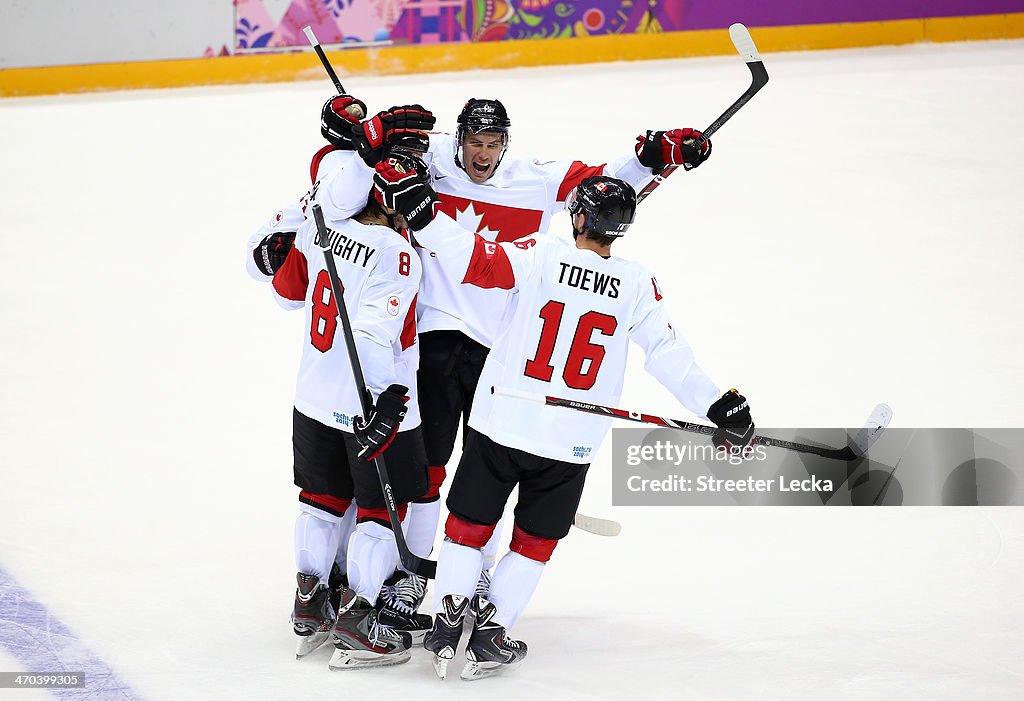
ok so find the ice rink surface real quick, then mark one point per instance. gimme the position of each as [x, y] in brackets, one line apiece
[855, 238]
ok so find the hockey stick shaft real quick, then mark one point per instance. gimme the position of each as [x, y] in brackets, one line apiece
[758, 79]
[411, 561]
[846, 453]
[315, 43]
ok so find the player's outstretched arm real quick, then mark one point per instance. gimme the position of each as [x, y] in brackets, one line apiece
[668, 356]
[465, 255]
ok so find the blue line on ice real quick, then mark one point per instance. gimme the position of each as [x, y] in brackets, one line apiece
[43, 644]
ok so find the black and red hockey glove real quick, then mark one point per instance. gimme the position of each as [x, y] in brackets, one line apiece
[338, 116]
[735, 431]
[397, 186]
[376, 432]
[272, 250]
[374, 137]
[678, 147]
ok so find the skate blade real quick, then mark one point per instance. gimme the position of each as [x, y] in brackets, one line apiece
[480, 670]
[309, 643]
[359, 659]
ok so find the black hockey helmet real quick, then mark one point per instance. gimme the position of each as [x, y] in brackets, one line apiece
[480, 115]
[338, 130]
[608, 203]
[477, 116]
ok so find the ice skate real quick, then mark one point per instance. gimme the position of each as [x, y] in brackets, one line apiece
[490, 649]
[313, 616]
[337, 583]
[362, 640]
[443, 638]
[396, 607]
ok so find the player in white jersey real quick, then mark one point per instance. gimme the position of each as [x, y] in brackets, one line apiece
[401, 129]
[501, 199]
[334, 446]
[577, 307]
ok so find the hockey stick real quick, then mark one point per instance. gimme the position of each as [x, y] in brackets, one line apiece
[758, 79]
[858, 447]
[315, 43]
[595, 525]
[412, 562]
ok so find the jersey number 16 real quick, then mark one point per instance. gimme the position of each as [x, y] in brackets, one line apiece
[581, 350]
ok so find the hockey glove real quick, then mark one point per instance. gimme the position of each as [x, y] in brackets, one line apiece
[405, 191]
[735, 431]
[374, 137]
[376, 432]
[272, 251]
[678, 147]
[338, 116]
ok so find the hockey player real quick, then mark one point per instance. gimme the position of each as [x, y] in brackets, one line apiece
[403, 128]
[398, 128]
[501, 199]
[576, 309]
[333, 446]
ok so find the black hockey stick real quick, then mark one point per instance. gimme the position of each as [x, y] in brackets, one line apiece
[412, 562]
[315, 43]
[758, 79]
[866, 436]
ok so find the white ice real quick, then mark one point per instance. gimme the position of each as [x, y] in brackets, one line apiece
[855, 238]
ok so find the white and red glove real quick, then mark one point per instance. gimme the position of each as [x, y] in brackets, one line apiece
[678, 147]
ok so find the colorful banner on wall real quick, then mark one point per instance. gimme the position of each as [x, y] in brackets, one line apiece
[269, 25]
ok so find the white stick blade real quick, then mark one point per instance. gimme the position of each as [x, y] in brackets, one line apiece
[308, 31]
[872, 430]
[743, 43]
[597, 526]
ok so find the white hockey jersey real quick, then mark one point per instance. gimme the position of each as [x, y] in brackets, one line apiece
[567, 335]
[518, 200]
[380, 275]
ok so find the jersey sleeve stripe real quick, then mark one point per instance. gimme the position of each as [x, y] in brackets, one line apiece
[489, 266]
[577, 172]
[292, 279]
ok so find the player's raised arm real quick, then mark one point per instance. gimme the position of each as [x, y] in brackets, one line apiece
[651, 155]
[404, 128]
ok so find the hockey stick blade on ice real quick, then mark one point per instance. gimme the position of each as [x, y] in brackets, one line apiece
[595, 525]
[758, 79]
[858, 447]
[411, 561]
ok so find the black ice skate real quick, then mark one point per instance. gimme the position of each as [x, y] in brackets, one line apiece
[313, 616]
[443, 638]
[337, 583]
[362, 640]
[483, 588]
[396, 607]
[490, 649]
